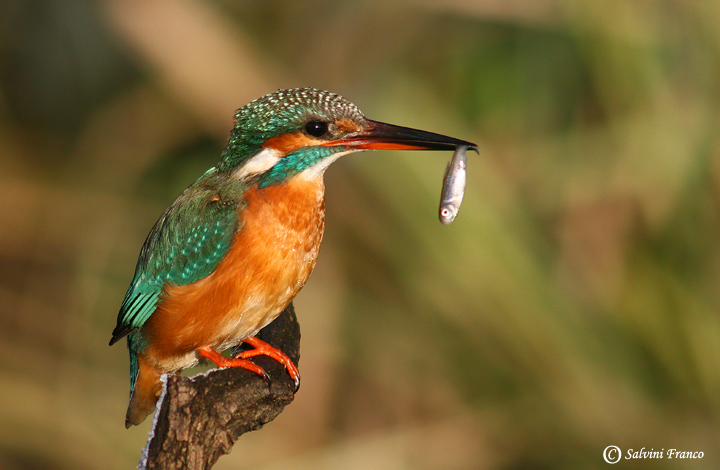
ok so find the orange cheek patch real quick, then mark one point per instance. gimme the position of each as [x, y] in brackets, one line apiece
[290, 142]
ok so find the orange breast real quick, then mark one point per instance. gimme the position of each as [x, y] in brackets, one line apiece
[272, 256]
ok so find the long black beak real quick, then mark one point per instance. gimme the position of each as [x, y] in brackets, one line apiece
[382, 136]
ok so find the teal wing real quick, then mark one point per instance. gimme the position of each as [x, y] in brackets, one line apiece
[191, 238]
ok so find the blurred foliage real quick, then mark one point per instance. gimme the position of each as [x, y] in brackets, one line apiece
[573, 305]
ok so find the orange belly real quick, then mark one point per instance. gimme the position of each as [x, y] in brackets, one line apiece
[272, 256]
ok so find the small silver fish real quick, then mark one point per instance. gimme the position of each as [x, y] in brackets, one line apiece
[453, 188]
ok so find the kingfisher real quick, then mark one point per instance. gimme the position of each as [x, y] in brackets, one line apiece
[233, 250]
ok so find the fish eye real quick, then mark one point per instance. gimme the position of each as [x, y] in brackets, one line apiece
[316, 128]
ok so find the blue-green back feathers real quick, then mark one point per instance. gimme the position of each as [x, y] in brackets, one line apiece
[191, 238]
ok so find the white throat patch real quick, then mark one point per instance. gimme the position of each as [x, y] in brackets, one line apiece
[258, 163]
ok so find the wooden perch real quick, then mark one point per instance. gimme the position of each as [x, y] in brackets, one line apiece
[200, 418]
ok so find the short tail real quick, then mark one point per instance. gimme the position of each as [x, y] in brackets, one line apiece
[146, 388]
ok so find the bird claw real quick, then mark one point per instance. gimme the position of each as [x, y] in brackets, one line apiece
[222, 361]
[263, 348]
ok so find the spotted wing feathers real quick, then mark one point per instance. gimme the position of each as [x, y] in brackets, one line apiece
[185, 245]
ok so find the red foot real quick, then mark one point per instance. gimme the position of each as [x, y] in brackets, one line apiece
[222, 361]
[241, 360]
[263, 348]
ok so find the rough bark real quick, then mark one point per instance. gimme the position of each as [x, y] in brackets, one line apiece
[201, 417]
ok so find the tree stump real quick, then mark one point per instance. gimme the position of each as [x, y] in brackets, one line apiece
[199, 418]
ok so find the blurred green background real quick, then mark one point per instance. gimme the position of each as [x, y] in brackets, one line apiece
[574, 304]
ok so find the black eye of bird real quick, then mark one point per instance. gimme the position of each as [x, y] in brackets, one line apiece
[316, 128]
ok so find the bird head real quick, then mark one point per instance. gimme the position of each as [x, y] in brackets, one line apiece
[304, 130]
